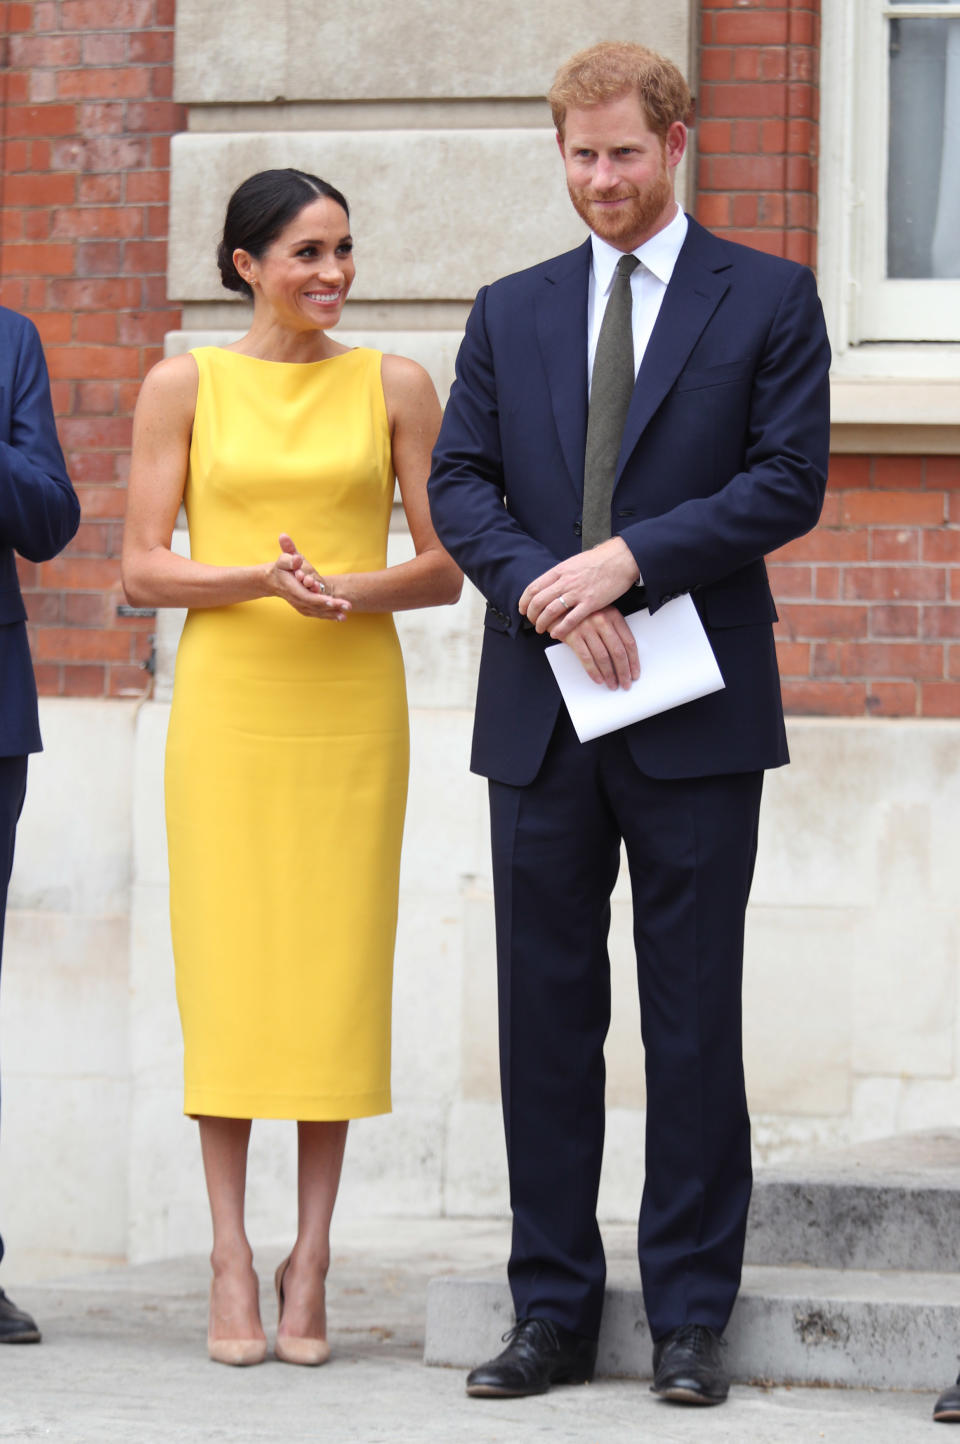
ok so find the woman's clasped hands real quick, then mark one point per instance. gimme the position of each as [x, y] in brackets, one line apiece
[293, 578]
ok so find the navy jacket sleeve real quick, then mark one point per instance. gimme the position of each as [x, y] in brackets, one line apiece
[467, 488]
[39, 510]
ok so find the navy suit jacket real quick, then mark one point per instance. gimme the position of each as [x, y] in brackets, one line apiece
[724, 458]
[39, 513]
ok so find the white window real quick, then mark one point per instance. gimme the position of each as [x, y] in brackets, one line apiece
[890, 171]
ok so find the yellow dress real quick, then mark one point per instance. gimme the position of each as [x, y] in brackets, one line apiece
[287, 753]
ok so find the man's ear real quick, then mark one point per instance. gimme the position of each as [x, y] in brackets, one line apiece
[675, 143]
[560, 142]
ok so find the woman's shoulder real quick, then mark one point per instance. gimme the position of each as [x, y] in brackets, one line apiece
[404, 377]
[172, 383]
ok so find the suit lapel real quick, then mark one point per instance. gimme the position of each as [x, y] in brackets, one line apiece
[693, 294]
[561, 318]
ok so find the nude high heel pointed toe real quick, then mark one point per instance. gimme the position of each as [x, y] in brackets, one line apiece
[240, 1353]
[291, 1349]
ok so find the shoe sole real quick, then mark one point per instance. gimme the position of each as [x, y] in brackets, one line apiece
[491, 1391]
[678, 1394]
[29, 1336]
[946, 1416]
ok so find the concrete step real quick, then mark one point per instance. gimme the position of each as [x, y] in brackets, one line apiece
[890, 1204]
[848, 1328]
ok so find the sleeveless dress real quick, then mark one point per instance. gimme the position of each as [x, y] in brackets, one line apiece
[287, 753]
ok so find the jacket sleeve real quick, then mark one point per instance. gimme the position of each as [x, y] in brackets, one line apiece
[467, 487]
[778, 494]
[39, 510]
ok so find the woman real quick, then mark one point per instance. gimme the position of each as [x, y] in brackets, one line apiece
[287, 752]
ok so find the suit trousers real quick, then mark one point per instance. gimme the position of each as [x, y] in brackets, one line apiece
[690, 846]
[13, 788]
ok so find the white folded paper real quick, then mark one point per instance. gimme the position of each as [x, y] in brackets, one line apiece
[677, 665]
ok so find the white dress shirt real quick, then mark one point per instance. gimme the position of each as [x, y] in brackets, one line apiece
[657, 258]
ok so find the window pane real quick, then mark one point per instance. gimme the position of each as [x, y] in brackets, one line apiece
[923, 190]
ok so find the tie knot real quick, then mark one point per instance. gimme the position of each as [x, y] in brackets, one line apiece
[627, 265]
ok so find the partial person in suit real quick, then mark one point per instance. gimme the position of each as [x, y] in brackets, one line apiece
[570, 496]
[39, 513]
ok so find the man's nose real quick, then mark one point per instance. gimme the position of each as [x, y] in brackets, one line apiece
[605, 175]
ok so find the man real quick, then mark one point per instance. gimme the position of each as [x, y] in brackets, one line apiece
[39, 513]
[678, 480]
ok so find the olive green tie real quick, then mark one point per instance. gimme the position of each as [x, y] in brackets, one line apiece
[610, 390]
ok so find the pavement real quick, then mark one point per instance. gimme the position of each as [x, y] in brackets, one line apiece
[124, 1362]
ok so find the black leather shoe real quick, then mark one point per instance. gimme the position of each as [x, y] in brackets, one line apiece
[538, 1353]
[16, 1327]
[947, 1408]
[688, 1367]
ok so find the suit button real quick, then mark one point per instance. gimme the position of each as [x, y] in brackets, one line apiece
[577, 529]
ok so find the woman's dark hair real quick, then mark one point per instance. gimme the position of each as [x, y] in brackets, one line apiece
[259, 209]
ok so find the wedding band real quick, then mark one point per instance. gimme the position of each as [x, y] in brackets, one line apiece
[321, 585]
[564, 603]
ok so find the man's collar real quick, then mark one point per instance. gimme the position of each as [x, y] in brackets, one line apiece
[659, 254]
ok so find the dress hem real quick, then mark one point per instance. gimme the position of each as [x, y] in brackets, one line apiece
[315, 1110]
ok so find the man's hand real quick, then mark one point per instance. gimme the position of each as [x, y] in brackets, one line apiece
[606, 648]
[560, 600]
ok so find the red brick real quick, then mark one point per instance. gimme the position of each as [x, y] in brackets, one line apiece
[84, 574]
[43, 607]
[106, 48]
[894, 621]
[151, 47]
[942, 472]
[898, 472]
[772, 241]
[714, 210]
[97, 328]
[745, 137]
[104, 153]
[801, 137]
[165, 12]
[881, 583]
[49, 260]
[940, 699]
[108, 501]
[802, 620]
[953, 663]
[28, 120]
[790, 581]
[106, 14]
[892, 699]
[774, 64]
[115, 294]
[800, 247]
[153, 116]
[148, 185]
[19, 17]
[82, 644]
[941, 545]
[888, 544]
[743, 100]
[145, 256]
[756, 27]
[156, 222]
[84, 681]
[826, 699]
[940, 622]
[93, 539]
[39, 190]
[745, 210]
[826, 583]
[98, 258]
[36, 224]
[104, 431]
[131, 83]
[773, 136]
[793, 659]
[747, 173]
[91, 466]
[715, 65]
[161, 82]
[95, 398]
[94, 362]
[98, 189]
[800, 211]
[54, 327]
[892, 508]
[771, 209]
[86, 609]
[49, 679]
[84, 222]
[746, 64]
[916, 660]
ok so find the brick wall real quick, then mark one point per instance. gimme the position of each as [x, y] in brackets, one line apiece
[870, 602]
[85, 135]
